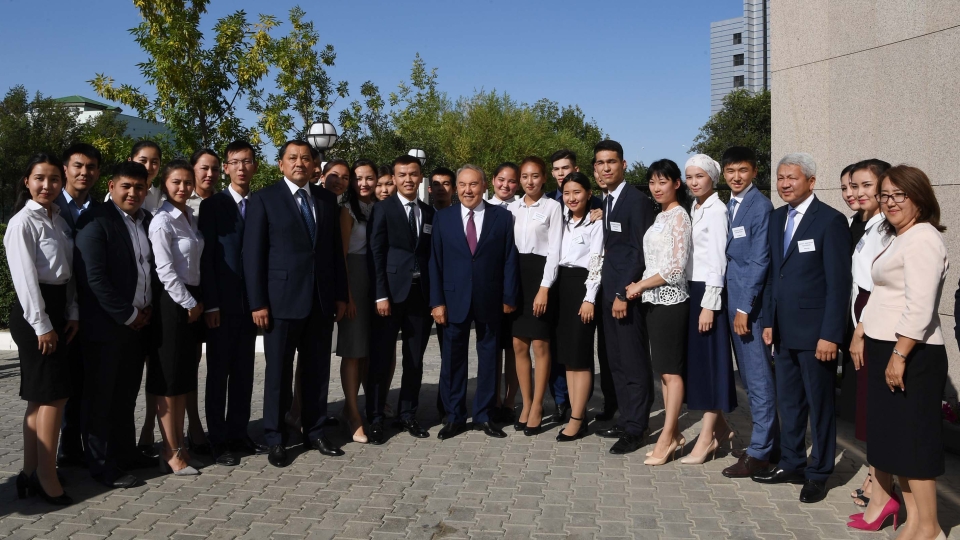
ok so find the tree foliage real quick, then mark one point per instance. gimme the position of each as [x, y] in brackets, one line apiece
[744, 120]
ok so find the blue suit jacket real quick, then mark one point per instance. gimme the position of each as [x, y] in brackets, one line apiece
[485, 280]
[623, 261]
[283, 270]
[748, 257]
[221, 263]
[391, 250]
[807, 294]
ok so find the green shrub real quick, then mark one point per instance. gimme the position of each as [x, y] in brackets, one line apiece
[7, 294]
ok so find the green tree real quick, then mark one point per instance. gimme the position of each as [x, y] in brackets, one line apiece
[744, 120]
[636, 175]
[366, 130]
[195, 87]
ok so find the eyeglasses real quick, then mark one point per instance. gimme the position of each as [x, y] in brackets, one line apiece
[235, 162]
[897, 197]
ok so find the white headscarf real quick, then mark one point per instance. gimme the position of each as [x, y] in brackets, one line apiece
[709, 166]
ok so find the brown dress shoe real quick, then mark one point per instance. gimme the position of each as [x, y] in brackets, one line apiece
[746, 467]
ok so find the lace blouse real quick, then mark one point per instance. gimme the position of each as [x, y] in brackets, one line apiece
[665, 246]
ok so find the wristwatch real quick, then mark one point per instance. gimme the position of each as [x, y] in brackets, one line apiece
[621, 297]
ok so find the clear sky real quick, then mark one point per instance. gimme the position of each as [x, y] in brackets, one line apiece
[640, 68]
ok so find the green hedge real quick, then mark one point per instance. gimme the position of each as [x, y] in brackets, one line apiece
[7, 294]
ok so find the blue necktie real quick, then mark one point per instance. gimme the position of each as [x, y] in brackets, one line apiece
[788, 232]
[307, 216]
[731, 206]
[243, 208]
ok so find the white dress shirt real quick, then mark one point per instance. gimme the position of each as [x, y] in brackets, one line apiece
[40, 250]
[176, 248]
[143, 295]
[537, 230]
[151, 202]
[615, 194]
[477, 218]
[871, 245]
[294, 189]
[801, 210]
[194, 203]
[497, 201]
[582, 247]
[708, 253]
[739, 200]
[665, 247]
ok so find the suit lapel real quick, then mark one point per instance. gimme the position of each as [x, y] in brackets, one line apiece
[120, 228]
[290, 201]
[808, 218]
[745, 205]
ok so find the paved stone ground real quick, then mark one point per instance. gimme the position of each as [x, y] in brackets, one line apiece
[468, 487]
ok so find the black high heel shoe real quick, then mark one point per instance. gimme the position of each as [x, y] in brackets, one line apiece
[62, 500]
[23, 486]
[530, 431]
[581, 433]
[519, 426]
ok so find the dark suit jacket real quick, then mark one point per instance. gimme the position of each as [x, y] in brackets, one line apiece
[283, 271]
[485, 280]
[67, 215]
[221, 263]
[807, 294]
[623, 251]
[106, 272]
[557, 195]
[748, 257]
[390, 249]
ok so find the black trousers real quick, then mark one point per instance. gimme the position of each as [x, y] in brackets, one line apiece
[113, 371]
[412, 321]
[628, 354]
[806, 388]
[73, 435]
[230, 355]
[606, 379]
[454, 369]
[311, 338]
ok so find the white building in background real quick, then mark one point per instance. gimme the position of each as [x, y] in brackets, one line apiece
[137, 128]
[740, 52]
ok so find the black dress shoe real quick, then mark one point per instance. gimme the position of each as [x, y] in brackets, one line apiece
[71, 460]
[746, 467]
[136, 460]
[413, 428]
[149, 450]
[813, 491]
[628, 443]
[530, 431]
[325, 447]
[375, 434]
[452, 429]
[224, 456]
[563, 411]
[607, 413]
[277, 456]
[777, 475]
[614, 432]
[123, 481]
[248, 446]
[491, 430]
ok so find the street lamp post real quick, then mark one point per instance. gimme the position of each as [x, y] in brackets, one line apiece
[322, 136]
[422, 156]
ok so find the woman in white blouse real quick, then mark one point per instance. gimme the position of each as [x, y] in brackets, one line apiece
[710, 385]
[663, 289]
[506, 182]
[537, 229]
[578, 279]
[172, 369]
[43, 320]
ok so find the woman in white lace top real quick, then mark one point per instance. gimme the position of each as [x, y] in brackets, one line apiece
[663, 289]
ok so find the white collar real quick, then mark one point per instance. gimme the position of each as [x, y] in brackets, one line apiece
[802, 207]
[34, 206]
[743, 193]
[464, 211]
[295, 188]
[136, 217]
[405, 201]
[523, 201]
[174, 212]
[616, 192]
[500, 201]
[874, 220]
[711, 200]
[236, 196]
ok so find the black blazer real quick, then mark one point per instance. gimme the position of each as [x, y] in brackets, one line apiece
[391, 252]
[106, 271]
[623, 251]
[221, 263]
[283, 271]
[65, 210]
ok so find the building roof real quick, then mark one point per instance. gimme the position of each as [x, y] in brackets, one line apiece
[88, 103]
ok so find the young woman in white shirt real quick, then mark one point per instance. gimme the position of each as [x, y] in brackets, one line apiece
[663, 290]
[172, 370]
[710, 386]
[578, 280]
[43, 320]
[537, 229]
[506, 182]
[206, 169]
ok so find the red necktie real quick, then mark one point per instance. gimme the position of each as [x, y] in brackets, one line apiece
[471, 233]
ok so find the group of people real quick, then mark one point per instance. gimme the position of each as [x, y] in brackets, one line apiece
[536, 275]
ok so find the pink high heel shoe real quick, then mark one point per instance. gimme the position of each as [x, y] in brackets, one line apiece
[892, 508]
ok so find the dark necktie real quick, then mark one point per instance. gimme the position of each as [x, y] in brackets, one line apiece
[412, 222]
[243, 208]
[471, 234]
[606, 214]
[788, 232]
[307, 216]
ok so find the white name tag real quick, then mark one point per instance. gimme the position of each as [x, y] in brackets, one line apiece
[615, 226]
[739, 232]
[806, 246]
[860, 244]
[427, 228]
[578, 239]
[542, 218]
[658, 227]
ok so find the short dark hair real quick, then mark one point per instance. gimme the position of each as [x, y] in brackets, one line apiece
[169, 168]
[876, 166]
[239, 146]
[566, 153]
[132, 170]
[608, 145]
[536, 161]
[671, 171]
[406, 160]
[84, 149]
[293, 142]
[738, 154]
[203, 152]
[140, 145]
[443, 171]
[506, 165]
[23, 193]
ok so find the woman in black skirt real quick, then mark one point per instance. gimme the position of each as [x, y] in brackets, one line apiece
[905, 347]
[537, 228]
[43, 320]
[172, 369]
[578, 279]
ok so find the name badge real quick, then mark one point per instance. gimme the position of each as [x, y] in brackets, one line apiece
[860, 244]
[427, 228]
[578, 239]
[657, 227]
[542, 218]
[615, 226]
[739, 232]
[806, 246]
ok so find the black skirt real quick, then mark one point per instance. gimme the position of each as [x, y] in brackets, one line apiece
[667, 328]
[573, 338]
[43, 377]
[904, 428]
[710, 383]
[172, 367]
[525, 324]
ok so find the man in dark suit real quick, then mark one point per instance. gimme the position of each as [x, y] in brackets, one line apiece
[296, 283]
[474, 280]
[627, 215]
[116, 282]
[399, 246]
[805, 310]
[231, 334]
[81, 163]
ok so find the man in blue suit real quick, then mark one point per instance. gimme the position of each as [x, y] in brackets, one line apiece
[231, 333]
[748, 259]
[804, 317]
[296, 282]
[474, 280]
